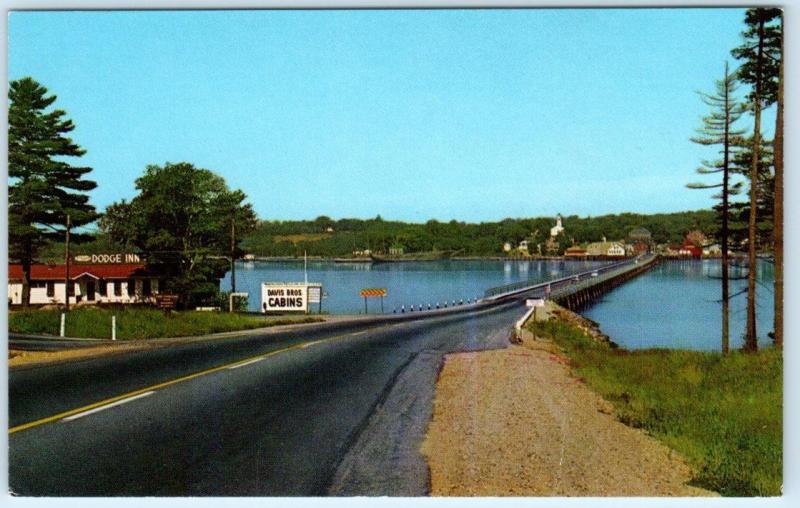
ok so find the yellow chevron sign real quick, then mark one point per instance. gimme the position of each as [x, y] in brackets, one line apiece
[373, 292]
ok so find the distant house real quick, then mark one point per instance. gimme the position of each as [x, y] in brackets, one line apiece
[575, 252]
[507, 247]
[523, 246]
[329, 229]
[605, 249]
[685, 250]
[396, 250]
[688, 249]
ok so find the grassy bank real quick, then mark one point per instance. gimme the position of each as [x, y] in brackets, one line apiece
[722, 413]
[140, 323]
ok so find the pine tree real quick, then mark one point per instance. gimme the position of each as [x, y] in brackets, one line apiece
[43, 188]
[718, 130]
[760, 70]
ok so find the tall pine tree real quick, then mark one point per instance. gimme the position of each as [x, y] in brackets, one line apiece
[43, 188]
[760, 53]
[718, 130]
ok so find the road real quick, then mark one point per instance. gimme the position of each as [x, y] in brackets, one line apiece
[303, 413]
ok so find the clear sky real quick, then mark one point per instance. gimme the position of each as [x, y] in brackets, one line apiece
[469, 114]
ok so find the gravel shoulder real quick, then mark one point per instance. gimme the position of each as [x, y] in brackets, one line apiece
[515, 422]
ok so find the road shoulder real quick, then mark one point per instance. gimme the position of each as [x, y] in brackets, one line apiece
[515, 422]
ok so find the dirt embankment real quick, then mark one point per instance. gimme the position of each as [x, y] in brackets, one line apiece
[515, 422]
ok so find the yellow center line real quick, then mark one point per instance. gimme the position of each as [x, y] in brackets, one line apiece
[182, 379]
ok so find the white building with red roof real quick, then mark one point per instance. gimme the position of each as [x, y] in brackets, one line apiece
[91, 283]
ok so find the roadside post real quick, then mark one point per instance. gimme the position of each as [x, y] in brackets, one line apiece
[61, 328]
[113, 327]
[373, 292]
[315, 296]
[533, 304]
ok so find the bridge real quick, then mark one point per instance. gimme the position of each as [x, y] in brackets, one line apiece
[577, 290]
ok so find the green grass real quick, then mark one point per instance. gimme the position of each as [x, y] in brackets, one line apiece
[722, 413]
[140, 323]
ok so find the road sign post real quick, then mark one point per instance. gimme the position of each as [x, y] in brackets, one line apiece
[372, 292]
[166, 302]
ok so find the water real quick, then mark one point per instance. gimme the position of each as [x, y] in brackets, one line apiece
[677, 305]
[411, 283]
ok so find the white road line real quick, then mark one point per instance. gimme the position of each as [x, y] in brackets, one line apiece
[254, 360]
[107, 406]
[358, 333]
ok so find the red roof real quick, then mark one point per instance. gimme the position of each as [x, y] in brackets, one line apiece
[57, 272]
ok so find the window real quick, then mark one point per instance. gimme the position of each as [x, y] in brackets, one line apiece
[51, 289]
[101, 287]
[131, 287]
[146, 287]
[117, 288]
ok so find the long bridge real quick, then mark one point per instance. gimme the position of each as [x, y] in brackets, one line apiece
[577, 290]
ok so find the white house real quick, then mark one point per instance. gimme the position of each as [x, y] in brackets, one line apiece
[100, 283]
[609, 249]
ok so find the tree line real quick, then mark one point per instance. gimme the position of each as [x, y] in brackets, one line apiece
[326, 237]
[746, 158]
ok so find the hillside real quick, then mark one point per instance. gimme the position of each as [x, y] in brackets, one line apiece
[327, 237]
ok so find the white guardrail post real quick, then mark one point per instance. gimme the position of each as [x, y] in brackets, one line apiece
[113, 327]
[61, 328]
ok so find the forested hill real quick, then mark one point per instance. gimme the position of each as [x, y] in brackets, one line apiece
[324, 236]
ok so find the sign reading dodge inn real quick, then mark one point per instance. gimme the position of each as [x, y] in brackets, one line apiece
[285, 296]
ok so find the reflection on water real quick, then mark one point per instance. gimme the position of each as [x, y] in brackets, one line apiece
[678, 305]
[411, 283]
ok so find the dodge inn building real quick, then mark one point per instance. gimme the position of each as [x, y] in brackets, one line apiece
[90, 283]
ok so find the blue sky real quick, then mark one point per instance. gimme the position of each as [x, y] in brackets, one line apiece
[469, 114]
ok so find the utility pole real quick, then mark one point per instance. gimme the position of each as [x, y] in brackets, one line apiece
[66, 266]
[233, 255]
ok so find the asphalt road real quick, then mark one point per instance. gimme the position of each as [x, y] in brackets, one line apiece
[300, 413]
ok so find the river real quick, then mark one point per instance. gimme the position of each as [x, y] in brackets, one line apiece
[407, 283]
[675, 305]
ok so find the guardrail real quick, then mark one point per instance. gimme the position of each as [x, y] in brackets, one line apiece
[528, 285]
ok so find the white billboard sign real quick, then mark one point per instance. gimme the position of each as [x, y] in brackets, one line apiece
[288, 296]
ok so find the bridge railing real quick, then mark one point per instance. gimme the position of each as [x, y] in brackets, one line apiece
[527, 285]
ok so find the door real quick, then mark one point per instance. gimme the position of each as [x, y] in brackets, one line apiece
[90, 290]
